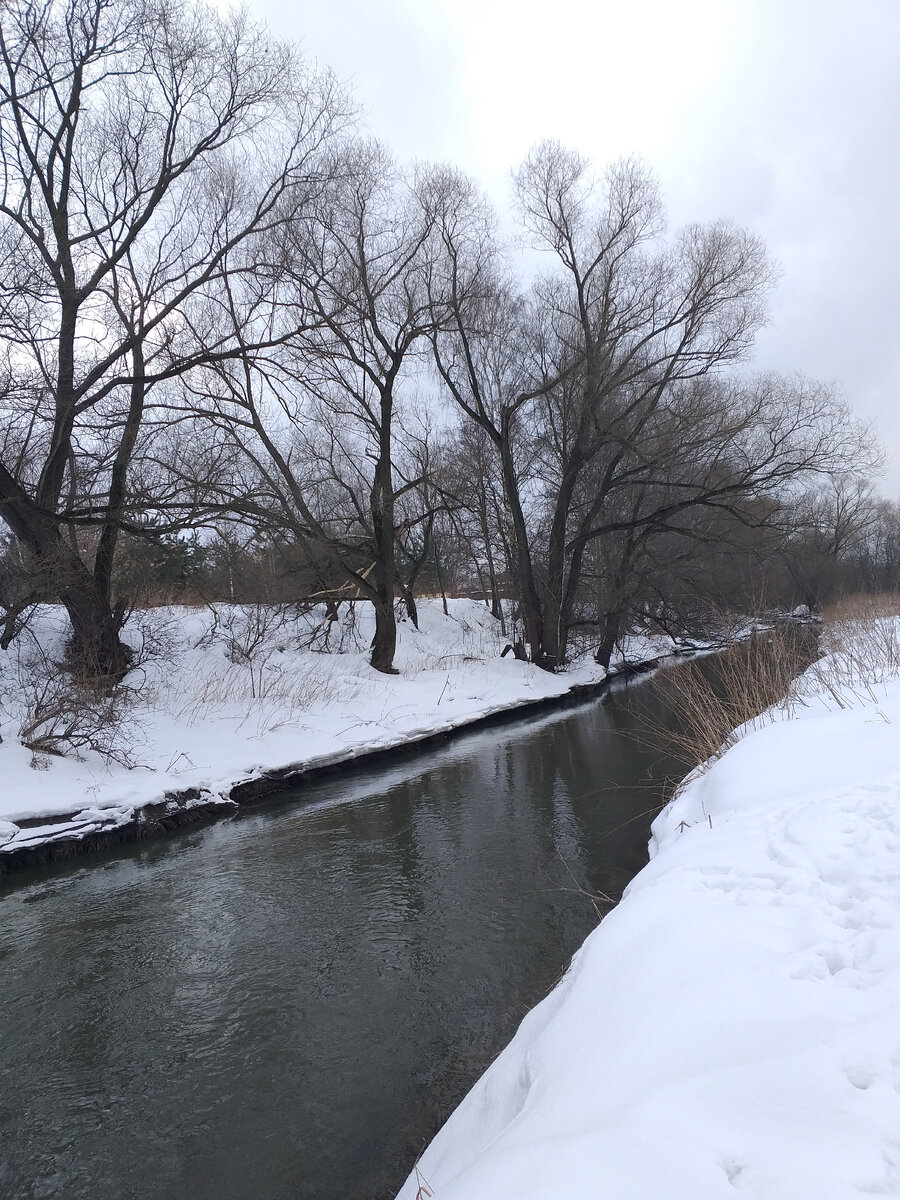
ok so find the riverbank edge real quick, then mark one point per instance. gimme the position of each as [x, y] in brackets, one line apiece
[193, 808]
[840, 769]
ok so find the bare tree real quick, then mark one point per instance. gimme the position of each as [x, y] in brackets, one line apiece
[469, 479]
[833, 534]
[320, 421]
[603, 393]
[134, 170]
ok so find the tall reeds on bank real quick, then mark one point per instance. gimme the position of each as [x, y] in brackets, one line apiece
[844, 662]
[716, 696]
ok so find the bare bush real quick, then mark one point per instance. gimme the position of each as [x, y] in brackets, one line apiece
[61, 718]
[155, 636]
[333, 628]
[248, 630]
[59, 714]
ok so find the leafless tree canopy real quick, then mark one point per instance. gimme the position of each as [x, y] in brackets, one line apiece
[221, 308]
[144, 150]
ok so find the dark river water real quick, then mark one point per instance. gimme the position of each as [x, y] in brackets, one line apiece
[289, 1004]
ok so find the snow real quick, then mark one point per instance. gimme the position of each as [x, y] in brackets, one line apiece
[732, 1027]
[223, 695]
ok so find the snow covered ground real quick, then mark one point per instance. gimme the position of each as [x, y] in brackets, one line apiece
[222, 696]
[733, 1027]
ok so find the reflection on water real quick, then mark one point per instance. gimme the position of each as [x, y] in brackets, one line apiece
[290, 1004]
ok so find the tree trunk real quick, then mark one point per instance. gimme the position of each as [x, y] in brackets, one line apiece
[608, 641]
[496, 604]
[95, 647]
[384, 644]
[560, 584]
[440, 580]
[109, 534]
[529, 599]
[409, 601]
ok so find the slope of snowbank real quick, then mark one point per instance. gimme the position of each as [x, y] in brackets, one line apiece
[732, 1027]
[225, 696]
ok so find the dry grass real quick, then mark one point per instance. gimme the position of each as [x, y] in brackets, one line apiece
[860, 647]
[476, 645]
[751, 683]
[768, 677]
[862, 607]
[264, 696]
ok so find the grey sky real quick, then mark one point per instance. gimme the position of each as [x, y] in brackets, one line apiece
[781, 115]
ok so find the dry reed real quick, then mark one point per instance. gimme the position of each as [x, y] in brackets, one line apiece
[750, 683]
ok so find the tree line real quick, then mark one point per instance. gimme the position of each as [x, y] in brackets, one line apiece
[232, 321]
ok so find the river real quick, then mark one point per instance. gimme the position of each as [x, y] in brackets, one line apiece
[290, 1003]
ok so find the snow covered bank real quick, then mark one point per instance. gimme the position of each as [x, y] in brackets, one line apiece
[732, 1027]
[226, 697]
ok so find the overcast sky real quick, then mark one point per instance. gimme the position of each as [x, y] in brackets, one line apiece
[780, 115]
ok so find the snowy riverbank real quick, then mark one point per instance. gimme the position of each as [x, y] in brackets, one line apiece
[732, 1026]
[224, 697]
